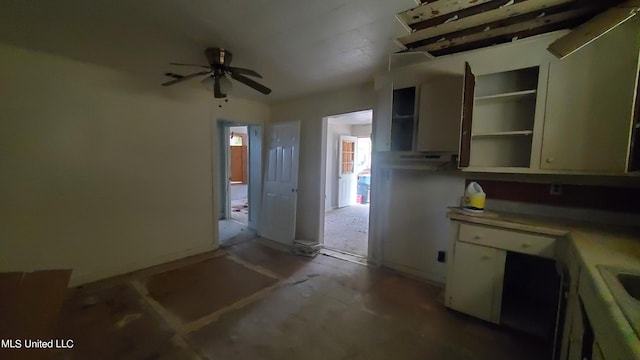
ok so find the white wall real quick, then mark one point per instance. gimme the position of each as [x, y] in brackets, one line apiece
[310, 111]
[417, 226]
[101, 172]
[334, 130]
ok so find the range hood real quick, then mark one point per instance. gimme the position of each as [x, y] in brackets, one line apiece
[434, 161]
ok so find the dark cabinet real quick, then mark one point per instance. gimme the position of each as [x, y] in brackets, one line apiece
[403, 119]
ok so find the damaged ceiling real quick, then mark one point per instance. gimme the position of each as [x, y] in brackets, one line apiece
[443, 27]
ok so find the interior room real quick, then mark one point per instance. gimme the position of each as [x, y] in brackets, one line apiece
[331, 179]
[348, 182]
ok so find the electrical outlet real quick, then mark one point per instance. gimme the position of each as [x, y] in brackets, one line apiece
[555, 189]
[442, 256]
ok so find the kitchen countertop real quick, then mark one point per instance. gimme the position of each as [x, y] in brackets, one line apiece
[595, 245]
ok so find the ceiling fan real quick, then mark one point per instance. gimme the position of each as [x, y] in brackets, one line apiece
[217, 71]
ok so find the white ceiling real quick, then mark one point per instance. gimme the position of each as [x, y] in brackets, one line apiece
[355, 118]
[299, 46]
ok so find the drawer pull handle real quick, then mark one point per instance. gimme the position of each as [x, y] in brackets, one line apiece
[477, 237]
[526, 245]
[486, 257]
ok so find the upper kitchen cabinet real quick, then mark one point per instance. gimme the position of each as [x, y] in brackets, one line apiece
[575, 115]
[419, 118]
[403, 119]
[382, 118]
[501, 116]
[439, 114]
[591, 116]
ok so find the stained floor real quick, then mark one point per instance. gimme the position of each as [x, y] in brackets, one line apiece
[347, 229]
[255, 302]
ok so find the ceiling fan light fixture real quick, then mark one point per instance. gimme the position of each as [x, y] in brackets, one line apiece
[225, 85]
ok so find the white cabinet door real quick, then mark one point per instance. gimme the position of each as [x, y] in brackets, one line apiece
[577, 329]
[590, 100]
[474, 286]
[440, 113]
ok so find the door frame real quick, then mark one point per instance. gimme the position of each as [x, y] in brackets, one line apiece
[222, 168]
[322, 193]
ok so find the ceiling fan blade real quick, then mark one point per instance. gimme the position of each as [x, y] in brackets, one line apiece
[182, 64]
[217, 93]
[208, 81]
[242, 71]
[186, 77]
[245, 80]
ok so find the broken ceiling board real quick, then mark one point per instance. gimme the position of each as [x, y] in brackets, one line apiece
[591, 10]
[490, 16]
[436, 9]
[559, 18]
[508, 38]
[474, 10]
[593, 29]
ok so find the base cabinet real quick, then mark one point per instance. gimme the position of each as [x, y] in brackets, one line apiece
[475, 284]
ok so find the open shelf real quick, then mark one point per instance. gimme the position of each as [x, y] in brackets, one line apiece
[504, 133]
[507, 95]
[504, 112]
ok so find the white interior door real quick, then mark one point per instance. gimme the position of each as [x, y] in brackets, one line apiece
[278, 221]
[346, 171]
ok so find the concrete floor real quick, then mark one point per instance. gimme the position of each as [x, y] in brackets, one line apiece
[347, 229]
[255, 302]
[240, 211]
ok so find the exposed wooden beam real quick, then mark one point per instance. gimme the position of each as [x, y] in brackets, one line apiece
[593, 29]
[437, 8]
[481, 19]
[509, 37]
[506, 30]
[594, 9]
[474, 10]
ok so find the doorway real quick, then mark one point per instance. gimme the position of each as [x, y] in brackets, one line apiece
[239, 174]
[348, 178]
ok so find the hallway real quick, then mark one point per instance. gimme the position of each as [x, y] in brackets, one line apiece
[347, 229]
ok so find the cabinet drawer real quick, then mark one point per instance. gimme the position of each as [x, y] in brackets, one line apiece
[508, 240]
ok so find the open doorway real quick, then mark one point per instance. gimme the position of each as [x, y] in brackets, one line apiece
[348, 178]
[238, 174]
[240, 181]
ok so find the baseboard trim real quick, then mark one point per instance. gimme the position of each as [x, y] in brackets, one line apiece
[107, 272]
[416, 274]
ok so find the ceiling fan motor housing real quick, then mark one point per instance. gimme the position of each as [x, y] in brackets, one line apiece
[218, 56]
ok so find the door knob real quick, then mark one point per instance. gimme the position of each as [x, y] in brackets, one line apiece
[550, 160]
